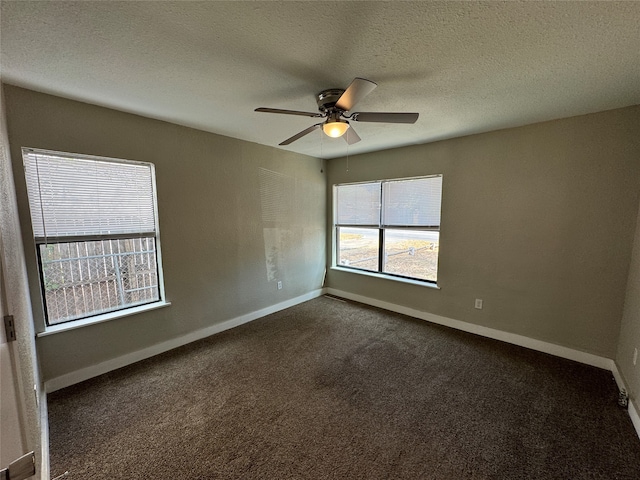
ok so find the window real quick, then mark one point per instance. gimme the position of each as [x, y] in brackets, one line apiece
[390, 227]
[96, 233]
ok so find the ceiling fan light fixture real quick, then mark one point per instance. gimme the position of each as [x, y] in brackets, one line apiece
[335, 129]
[333, 106]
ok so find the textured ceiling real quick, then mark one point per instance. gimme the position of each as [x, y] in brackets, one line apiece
[466, 67]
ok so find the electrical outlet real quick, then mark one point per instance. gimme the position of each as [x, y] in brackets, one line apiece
[635, 355]
[478, 304]
[279, 285]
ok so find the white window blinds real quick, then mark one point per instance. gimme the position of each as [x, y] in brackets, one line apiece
[358, 204]
[414, 202]
[411, 202]
[78, 196]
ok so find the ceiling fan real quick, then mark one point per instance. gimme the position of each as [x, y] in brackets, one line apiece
[333, 104]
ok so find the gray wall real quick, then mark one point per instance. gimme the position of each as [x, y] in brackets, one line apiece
[630, 328]
[537, 221]
[226, 207]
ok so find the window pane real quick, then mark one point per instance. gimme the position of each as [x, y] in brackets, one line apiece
[87, 278]
[411, 253]
[358, 248]
[358, 204]
[414, 202]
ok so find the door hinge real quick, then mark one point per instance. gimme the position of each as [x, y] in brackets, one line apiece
[22, 468]
[9, 328]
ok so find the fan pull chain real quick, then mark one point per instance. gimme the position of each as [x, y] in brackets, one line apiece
[347, 157]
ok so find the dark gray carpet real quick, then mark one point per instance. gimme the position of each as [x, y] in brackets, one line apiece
[335, 390]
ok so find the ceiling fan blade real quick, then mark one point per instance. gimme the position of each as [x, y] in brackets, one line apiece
[304, 132]
[288, 112]
[385, 117]
[356, 91]
[350, 136]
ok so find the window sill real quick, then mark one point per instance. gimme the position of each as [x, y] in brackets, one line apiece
[105, 317]
[387, 277]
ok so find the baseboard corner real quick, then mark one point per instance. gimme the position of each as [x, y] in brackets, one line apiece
[635, 417]
[632, 408]
[44, 473]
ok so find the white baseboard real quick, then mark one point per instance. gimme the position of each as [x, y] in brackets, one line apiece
[635, 418]
[44, 436]
[632, 408]
[550, 348]
[618, 377]
[86, 373]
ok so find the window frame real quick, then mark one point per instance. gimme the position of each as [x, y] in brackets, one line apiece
[381, 227]
[119, 310]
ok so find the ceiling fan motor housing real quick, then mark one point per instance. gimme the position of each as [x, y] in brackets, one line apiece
[327, 99]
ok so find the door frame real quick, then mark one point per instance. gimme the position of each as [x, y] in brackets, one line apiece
[31, 398]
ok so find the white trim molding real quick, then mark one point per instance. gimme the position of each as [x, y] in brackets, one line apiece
[105, 317]
[86, 373]
[632, 407]
[44, 436]
[635, 418]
